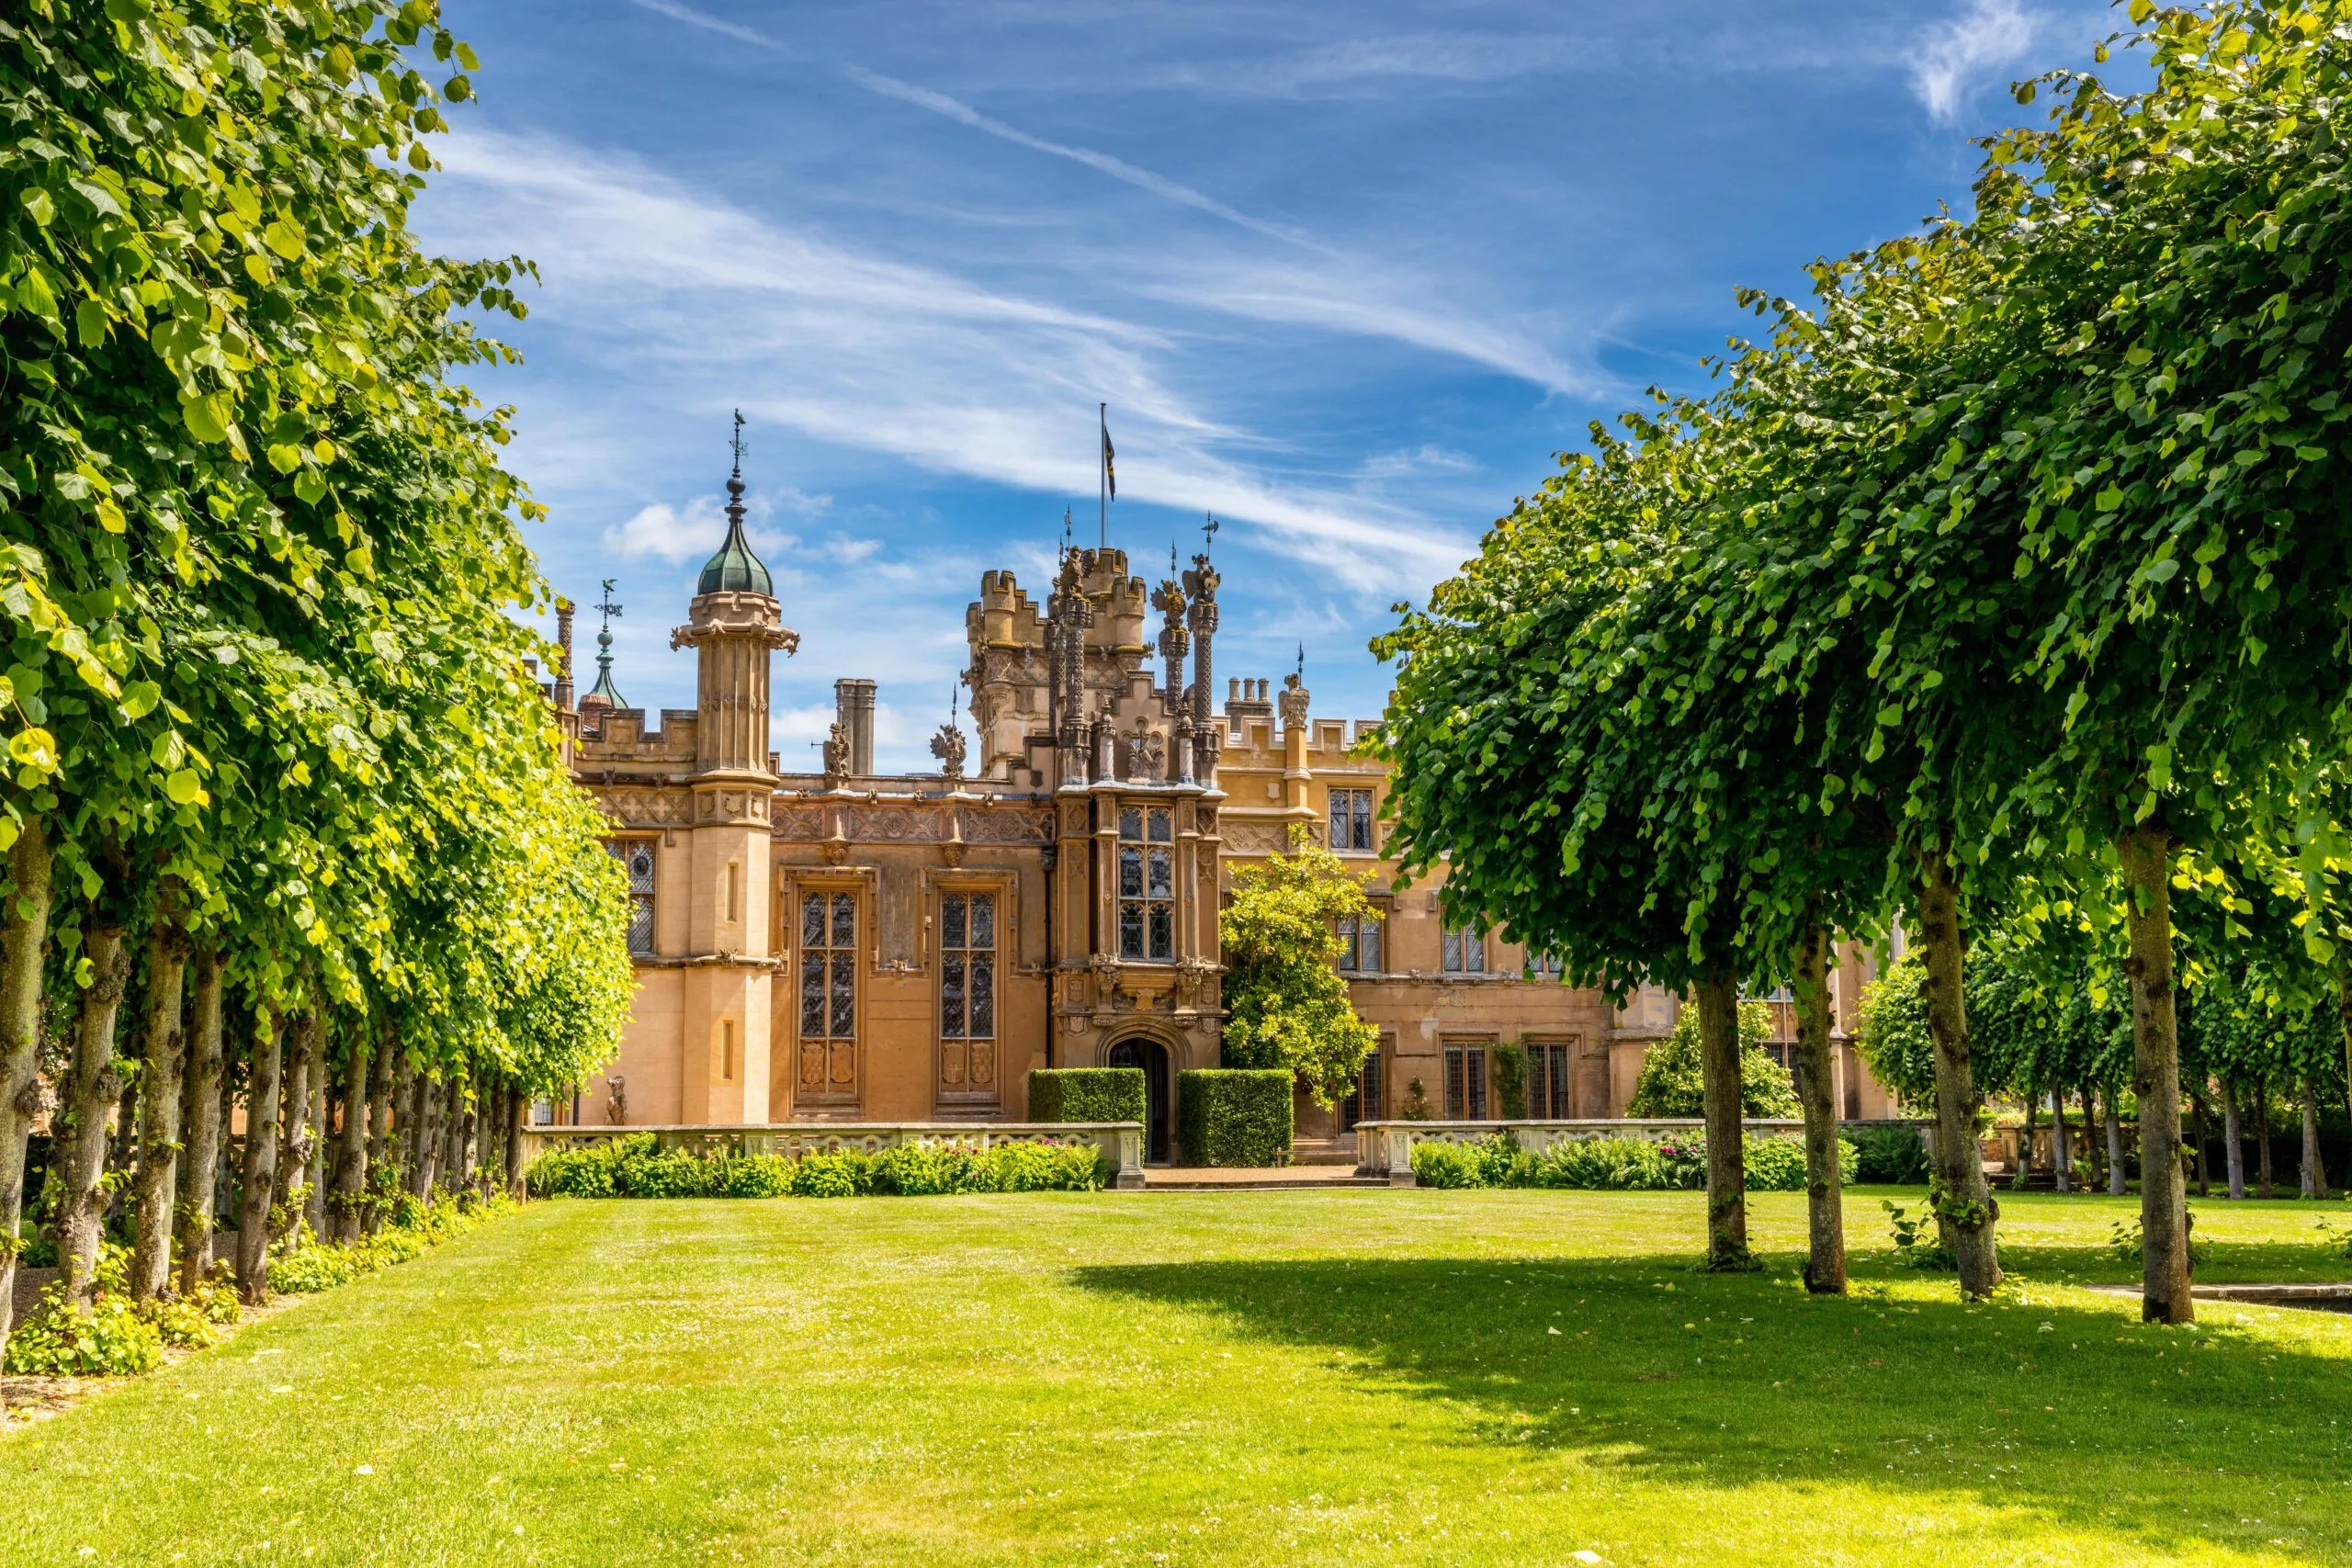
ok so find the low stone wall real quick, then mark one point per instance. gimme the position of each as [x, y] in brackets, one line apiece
[1121, 1142]
[1385, 1148]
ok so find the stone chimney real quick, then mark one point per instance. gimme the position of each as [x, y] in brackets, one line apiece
[853, 701]
[563, 664]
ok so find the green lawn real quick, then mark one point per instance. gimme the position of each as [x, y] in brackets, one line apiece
[1253, 1379]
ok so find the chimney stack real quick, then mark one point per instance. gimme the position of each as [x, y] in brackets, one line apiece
[853, 701]
[563, 644]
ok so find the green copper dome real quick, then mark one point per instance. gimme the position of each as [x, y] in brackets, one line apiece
[735, 569]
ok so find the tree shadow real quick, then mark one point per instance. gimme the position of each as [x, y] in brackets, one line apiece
[2043, 1399]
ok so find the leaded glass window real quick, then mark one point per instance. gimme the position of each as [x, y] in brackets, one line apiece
[1465, 952]
[967, 997]
[635, 856]
[1148, 883]
[829, 995]
[1465, 1083]
[1350, 819]
[1360, 942]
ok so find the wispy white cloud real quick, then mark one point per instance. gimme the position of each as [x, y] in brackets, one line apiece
[1988, 36]
[1455, 57]
[1102, 162]
[690, 295]
[708, 22]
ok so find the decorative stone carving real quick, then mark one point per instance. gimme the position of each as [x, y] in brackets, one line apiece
[979, 825]
[948, 746]
[1292, 701]
[1147, 753]
[835, 755]
[644, 807]
[801, 824]
[1256, 838]
[893, 825]
[617, 1098]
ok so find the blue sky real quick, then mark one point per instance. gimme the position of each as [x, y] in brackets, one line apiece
[1348, 278]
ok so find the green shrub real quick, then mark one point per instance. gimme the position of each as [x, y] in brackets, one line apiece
[1617, 1165]
[317, 1268]
[1919, 1244]
[1086, 1094]
[1506, 1071]
[1046, 1167]
[1604, 1165]
[1229, 1116]
[113, 1340]
[750, 1176]
[1447, 1164]
[1890, 1157]
[1673, 1082]
[831, 1176]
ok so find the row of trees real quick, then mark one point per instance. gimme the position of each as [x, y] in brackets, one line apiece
[278, 764]
[2248, 1040]
[1998, 588]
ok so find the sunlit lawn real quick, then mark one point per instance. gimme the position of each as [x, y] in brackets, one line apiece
[1259, 1379]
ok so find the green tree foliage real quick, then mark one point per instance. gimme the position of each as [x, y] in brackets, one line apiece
[1670, 1082]
[1287, 1001]
[265, 692]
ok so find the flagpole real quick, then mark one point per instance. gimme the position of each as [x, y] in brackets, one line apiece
[1102, 475]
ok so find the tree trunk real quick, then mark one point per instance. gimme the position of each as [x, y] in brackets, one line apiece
[2262, 1133]
[294, 1124]
[259, 1188]
[515, 1104]
[159, 1103]
[2156, 1077]
[2315, 1183]
[384, 1090]
[466, 1165]
[2232, 1140]
[1963, 1201]
[1825, 1268]
[425, 1142]
[2025, 1144]
[1719, 1067]
[2062, 1147]
[2117, 1169]
[351, 1172]
[92, 1082]
[2201, 1132]
[314, 1203]
[2093, 1149]
[198, 1166]
[24, 937]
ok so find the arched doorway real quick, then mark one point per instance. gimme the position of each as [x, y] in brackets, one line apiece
[1152, 1058]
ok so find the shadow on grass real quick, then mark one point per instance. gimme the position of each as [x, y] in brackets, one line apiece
[2074, 1410]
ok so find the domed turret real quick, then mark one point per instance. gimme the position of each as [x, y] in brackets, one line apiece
[735, 569]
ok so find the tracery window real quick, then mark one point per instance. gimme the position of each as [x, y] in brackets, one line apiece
[1360, 941]
[1148, 883]
[968, 995]
[1465, 1083]
[1465, 952]
[827, 996]
[1350, 819]
[1364, 1102]
[1547, 1080]
[635, 856]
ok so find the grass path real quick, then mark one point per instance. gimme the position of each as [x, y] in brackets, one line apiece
[1246, 1378]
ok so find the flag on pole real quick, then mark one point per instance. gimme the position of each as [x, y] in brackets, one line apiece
[1110, 467]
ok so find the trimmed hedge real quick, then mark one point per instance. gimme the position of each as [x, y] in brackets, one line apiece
[1892, 1157]
[1086, 1094]
[635, 1166]
[1617, 1165]
[1233, 1116]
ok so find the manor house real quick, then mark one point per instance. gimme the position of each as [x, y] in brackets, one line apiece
[849, 946]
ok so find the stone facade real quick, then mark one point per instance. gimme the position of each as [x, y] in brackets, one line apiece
[844, 946]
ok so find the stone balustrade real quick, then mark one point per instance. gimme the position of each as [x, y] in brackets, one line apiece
[1385, 1148]
[1121, 1142]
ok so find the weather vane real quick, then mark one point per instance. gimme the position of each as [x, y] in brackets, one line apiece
[735, 444]
[1208, 532]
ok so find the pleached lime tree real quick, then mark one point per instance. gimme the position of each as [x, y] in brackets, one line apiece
[266, 708]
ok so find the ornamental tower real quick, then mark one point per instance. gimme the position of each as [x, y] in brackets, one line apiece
[733, 623]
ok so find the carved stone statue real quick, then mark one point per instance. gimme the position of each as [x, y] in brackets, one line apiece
[1292, 701]
[617, 1099]
[948, 746]
[836, 755]
[1147, 755]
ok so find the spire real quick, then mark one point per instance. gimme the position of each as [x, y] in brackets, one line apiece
[735, 569]
[602, 691]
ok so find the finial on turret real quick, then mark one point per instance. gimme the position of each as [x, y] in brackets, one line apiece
[603, 691]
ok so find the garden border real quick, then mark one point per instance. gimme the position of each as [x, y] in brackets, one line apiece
[1385, 1148]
